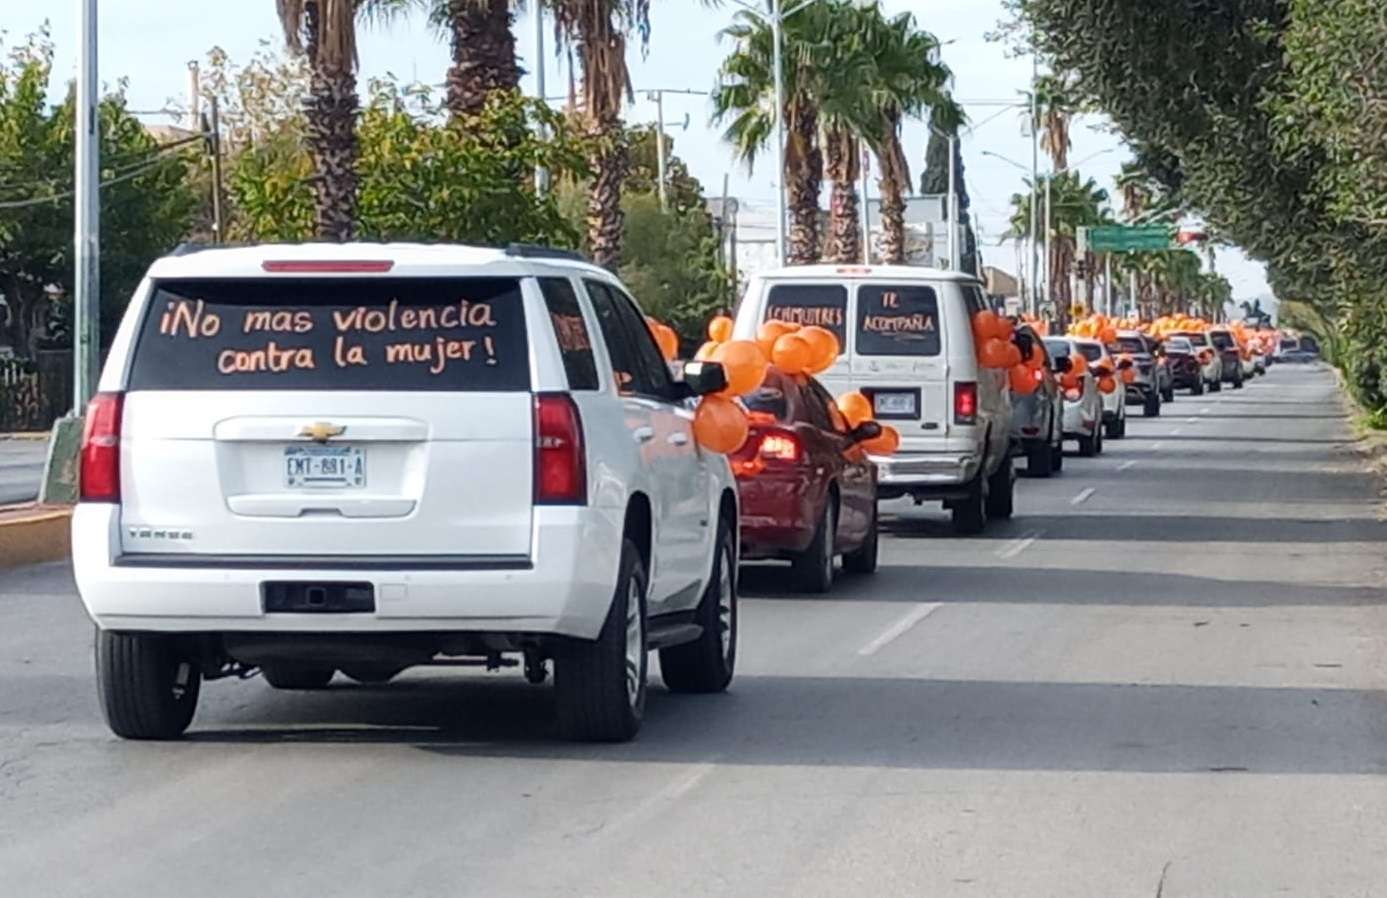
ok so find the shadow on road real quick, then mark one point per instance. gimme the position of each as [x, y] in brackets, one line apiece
[1157, 529]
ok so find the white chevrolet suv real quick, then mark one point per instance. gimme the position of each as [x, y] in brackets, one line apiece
[358, 458]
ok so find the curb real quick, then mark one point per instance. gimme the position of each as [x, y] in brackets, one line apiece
[34, 534]
[27, 437]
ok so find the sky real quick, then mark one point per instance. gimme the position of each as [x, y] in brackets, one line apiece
[148, 43]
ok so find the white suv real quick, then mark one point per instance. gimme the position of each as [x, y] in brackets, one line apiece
[358, 458]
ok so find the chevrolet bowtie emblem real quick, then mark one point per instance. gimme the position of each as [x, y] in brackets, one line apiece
[321, 431]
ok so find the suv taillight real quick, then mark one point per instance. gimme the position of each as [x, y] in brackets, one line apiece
[965, 402]
[99, 470]
[561, 476]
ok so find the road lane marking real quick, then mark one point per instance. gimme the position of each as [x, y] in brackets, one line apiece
[899, 628]
[1192, 420]
[1156, 445]
[1017, 546]
[1175, 432]
[1205, 410]
[1126, 465]
[1083, 496]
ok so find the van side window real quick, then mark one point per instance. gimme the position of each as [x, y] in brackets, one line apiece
[571, 332]
[825, 305]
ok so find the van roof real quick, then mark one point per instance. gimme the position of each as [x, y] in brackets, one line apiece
[865, 272]
[418, 259]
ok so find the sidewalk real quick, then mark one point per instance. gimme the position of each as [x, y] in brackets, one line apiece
[32, 533]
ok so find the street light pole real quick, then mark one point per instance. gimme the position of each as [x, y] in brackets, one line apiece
[541, 173]
[953, 203]
[777, 23]
[1035, 184]
[659, 97]
[86, 237]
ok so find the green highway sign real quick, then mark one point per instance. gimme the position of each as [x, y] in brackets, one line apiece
[1123, 239]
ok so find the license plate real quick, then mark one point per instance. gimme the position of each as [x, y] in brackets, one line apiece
[895, 405]
[318, 467]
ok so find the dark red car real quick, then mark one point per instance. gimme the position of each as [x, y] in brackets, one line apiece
[808, 491]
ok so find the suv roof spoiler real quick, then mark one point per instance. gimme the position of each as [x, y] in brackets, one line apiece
[537, 251]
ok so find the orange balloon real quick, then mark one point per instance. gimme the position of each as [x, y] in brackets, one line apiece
[1036, 359]
[825, 345]
[1004, 328]
[1013, 354]
[705, 352]
[720, 329]
[720, 425]
[1079, 361]
[668, 340]
[1107, 385]
[792, 354]
[1070, 380]
[886, 444]
[856, 408]
[770, 332]
[984, 326]
[1129, 376]
[993, 353]
[745, 365]
[1023, 380]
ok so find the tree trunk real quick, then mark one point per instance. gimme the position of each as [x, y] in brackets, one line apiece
[483, 54]
[892, 220]
[844, 243]
[330, 112]
[605, 219]
[804, 180]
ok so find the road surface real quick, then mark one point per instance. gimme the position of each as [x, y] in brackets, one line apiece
[21, 469]
[1165, 677]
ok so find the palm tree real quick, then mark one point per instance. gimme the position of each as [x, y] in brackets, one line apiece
[483, 51]
[1075, 202]
[324, 31]
[598, 30]
[745, 98]
[845, 109]
[1057, 108]
[906, 82]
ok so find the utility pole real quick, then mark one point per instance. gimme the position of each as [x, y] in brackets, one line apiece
[86, 237]
[1035, 184]
[659, 97]
[541, 173]
[777, 26]
[866, 208]
[1107, 283]
[953, 203]
[215, 145]
[1050, 256]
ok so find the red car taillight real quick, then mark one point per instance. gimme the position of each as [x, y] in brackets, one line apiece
[560, 464]
[99, 469]
[780, 447]
[771, 449]
[965, 402]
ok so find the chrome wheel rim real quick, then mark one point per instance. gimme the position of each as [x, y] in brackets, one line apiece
[635, 644]
[725, 604]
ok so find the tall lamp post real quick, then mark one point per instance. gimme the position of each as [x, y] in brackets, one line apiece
[86, 234]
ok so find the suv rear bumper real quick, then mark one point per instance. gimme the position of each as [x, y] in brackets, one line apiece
[565, 588]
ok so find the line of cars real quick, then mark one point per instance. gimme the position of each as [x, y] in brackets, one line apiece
[313, 460]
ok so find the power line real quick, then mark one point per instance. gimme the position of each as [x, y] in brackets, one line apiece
[67, 194]
[152, 158]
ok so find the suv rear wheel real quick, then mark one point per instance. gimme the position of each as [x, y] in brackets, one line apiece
[297, 676]
[600, 685]
[148, 689]
[813, 568]
[706, 664]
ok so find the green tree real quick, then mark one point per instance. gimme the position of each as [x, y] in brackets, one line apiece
[1075, 202]
[146, 203]
[935, 181]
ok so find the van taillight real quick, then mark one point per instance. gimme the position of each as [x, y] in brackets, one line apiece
[99, 470]
[561, 476]
[965, 402]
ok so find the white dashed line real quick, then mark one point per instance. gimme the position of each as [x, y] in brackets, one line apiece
[1204, 411]
[1083, 496]
[1175, 432]
[1126, 465]
[1017, 546]
[1156, 445]
[899, 628]
[1192, 420]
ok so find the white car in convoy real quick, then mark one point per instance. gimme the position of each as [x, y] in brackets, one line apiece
[358, 458]
[1083, 405]
[1114, 403]
[907, 344]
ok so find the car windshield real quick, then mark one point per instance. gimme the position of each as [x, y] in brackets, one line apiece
[1092, 351]
[1058, 348]
[1178, 344]
[1290, 343]
[1222, 339]
[1130, 344]
[1196, 339]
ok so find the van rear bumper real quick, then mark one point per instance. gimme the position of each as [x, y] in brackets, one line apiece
[911, 471]
[564, 588]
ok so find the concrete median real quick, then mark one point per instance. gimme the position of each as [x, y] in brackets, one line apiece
[30, 534]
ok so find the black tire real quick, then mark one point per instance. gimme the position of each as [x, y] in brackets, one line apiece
[1001, 493]
[863, 559]
[1088, 446]
[1152, 406]
[1216, 386]
[1057, 457]
[812, 569]
[706, 664]
[1198, 388]
[1098, 440]
[970, 513]
[373, 674]
[297, 676]
[147, 689]
[1238, 384]
[592, 695]
[1039, 462]
[1168, 394]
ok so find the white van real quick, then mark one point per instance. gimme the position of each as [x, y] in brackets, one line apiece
[907, 342]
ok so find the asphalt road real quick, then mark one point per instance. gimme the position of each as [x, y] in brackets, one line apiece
[21, 469]
[1165, 677]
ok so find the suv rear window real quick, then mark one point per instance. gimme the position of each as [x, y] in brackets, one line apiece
[823, 304]
[897, 320]
[1092, 351]
[453, 334]
[1130, 344]
[571, 331]
[1221, 339]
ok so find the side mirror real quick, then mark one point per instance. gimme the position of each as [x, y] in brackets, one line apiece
[867, 430]
[1063, 365]
[702, 378]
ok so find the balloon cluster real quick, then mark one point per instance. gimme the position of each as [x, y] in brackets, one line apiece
[1096, 327]
[857, 410]
[994, 336]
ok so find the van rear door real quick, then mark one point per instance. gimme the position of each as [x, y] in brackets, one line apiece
[330, 416]
[898, 357]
